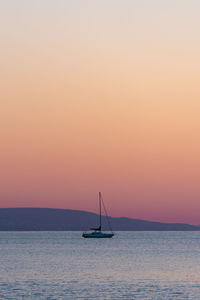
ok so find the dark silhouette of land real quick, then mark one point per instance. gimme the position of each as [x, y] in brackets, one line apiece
[21, 219]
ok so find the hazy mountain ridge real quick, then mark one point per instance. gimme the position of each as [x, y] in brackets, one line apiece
[66, 219]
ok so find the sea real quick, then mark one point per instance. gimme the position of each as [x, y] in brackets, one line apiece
[131, 265]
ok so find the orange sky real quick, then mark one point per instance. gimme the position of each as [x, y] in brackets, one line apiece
[101, 96]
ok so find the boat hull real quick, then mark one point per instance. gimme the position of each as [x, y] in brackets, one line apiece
[97, 235]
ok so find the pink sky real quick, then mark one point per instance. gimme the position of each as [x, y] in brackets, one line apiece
[101, 98]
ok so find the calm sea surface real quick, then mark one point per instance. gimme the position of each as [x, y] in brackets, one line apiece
[132, 265]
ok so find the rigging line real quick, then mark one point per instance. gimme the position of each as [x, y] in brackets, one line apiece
[107, 218]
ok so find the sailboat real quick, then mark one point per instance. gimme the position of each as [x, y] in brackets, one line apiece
[97, 233]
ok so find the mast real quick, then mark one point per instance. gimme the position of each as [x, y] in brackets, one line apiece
[100, 211]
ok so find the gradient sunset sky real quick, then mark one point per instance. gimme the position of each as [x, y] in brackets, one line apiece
[101, 96]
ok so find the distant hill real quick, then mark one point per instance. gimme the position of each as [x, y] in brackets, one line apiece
[19, 219]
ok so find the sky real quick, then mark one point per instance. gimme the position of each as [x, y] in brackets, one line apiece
[101, 96]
